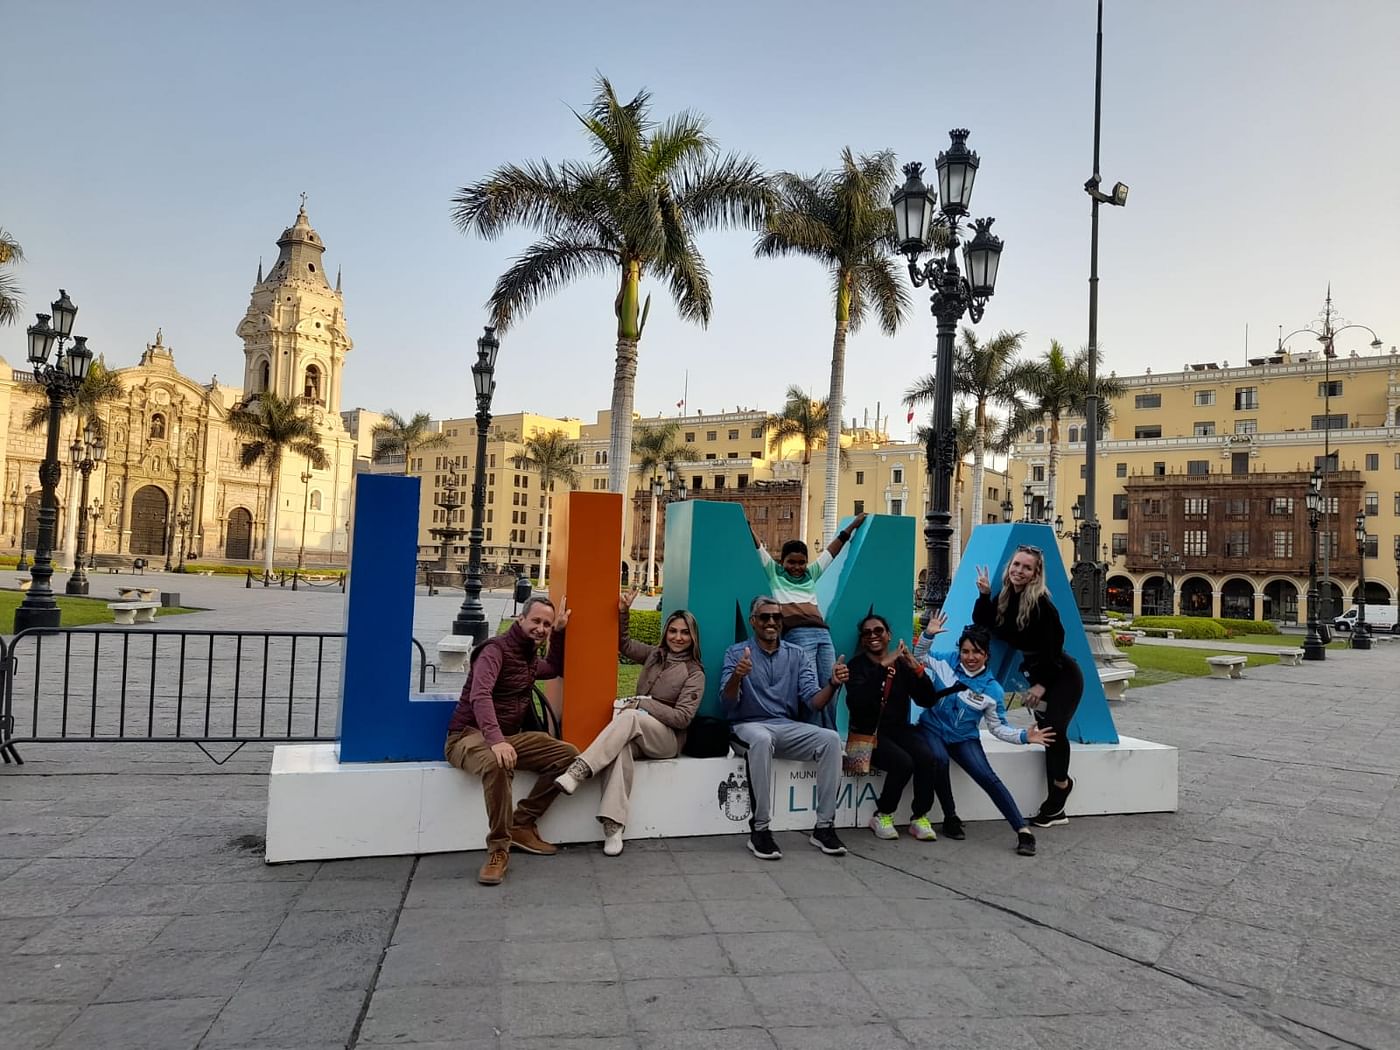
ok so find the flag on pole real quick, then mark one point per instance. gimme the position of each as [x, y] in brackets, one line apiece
[910, 417]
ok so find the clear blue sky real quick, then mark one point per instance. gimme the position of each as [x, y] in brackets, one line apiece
[156, 153]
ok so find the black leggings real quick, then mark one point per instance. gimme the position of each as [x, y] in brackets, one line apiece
[904, 753]
[1061, 701]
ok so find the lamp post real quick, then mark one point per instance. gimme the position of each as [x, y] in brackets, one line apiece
[1089, 580]
[305, 510]
[471, 617]
[1170, 564]
[1361, 630]
[87, 453]
[182, 526]
[661, 494]
[1007, 508]
[1313, 649]
[952, 294]
[60, 380]
[96, 512]
[1027, 497]
[23, 562]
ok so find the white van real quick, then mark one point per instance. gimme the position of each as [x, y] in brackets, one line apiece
[1378, 618]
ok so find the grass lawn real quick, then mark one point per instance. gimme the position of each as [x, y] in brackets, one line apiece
[1164, 663]
[627, 675]
[75, 612]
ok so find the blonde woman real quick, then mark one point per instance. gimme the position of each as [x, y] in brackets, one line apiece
[649, 725]
[1022, 615]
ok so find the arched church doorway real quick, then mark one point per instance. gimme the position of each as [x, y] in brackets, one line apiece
[150, 508]
[238, 539]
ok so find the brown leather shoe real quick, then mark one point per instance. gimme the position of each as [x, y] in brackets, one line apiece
[528, 839]
[494, 870]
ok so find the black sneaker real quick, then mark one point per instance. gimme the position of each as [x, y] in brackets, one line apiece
[762, 846]
[953, 828]
[1049, 820]
[1025, 844]
[825, 840]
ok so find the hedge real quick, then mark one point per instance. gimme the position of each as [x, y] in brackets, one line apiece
[1198, 627]
[644, 625]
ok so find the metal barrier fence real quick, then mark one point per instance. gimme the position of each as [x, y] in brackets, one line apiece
[92, 684]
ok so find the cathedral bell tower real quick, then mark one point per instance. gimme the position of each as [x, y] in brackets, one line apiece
[294, 339]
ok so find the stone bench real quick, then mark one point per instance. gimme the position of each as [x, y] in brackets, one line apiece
[138, 594]
[1168, 633]
[453, 650]
[25, 583]
[1290, 657]
[321, 809]
[1115, 681]
[128, 613]
[1227, 666]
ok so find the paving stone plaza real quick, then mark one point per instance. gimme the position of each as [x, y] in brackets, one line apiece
[136, 911]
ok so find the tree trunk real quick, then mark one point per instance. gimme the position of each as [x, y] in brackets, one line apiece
[629, 334]
[273, 495]
[802, 511]
[955, 545]
[1052, 463]
[544, 536]
[979, 451]
[835, 403]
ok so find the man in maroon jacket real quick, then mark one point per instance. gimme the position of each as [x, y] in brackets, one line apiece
[484, 736]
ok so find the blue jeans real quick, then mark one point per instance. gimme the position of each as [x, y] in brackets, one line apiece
[969, 755]
[816, 643]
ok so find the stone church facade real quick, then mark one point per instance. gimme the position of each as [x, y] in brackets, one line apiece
[171, 486]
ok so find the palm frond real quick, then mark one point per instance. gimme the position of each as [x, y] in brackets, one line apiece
[731, 191]
[534, 194]
[545, 267]
[883, 290]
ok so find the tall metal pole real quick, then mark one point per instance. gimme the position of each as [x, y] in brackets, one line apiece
[1313, 649]
[471, 617]
[938, 528]
[39, 608]
[1089, 581]
[1360, 630]
[78, 582]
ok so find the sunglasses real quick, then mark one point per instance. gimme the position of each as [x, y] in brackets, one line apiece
[768, 617]
[1030, 549]
[873, 631]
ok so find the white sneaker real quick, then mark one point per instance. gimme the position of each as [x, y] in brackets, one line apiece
[883, 826]
[612, 838]
[570, 779]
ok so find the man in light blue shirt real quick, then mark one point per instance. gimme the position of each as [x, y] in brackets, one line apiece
[765, 682]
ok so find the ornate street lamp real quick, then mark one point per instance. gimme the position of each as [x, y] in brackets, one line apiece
[1007, 509]
[1027, 498]
[1171, 564]
[60, 380]
[182, 526]
[305, 510]
[471, 617]
[1361, 630]
[23, 562]
[96, 512]
[661, 494]
[1313, 649]
[87, 453]
[953, 294]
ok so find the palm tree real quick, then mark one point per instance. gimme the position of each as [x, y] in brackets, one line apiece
[842, 219]
[271, 426]
[988, 375]
[393, 435]
[551, 455]
[1058, 386]
[10, 302]
[100, 386]
[656, 445]
[805, 420]
[630, 213]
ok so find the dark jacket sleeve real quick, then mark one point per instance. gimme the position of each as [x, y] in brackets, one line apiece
[984, 611]
[485, 671]
[920, 687]
[1046, 637]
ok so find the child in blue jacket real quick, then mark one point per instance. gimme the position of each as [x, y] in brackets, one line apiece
[952, 726]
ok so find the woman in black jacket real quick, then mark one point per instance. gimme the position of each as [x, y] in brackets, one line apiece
[1022, 615]
[882, 682]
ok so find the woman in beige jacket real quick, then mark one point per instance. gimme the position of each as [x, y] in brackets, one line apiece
[651, 724]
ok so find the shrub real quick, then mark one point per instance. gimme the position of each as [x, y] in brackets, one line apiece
[1125, 640]
[1234, 627]
[1198, 627]
[644, 625]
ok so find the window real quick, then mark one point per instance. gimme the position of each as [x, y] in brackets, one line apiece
[492, 465]
[311, 387]
[756, 432]
[1333, 422]
[709, 455]
[1237, 545]
[1194, 541]
[711, 435]
[1331, 388]
[1083, 470]
[1327, 464]
[734, 435]
[1373, 461]
[264, 376]
[1283, 543]
[1120, 506]
[1204, 397]
[1373, 504]
[1396, 509]
[315, 502]
[860, 477]
[1373, 547]
[858, 507]
[1237, 508]
[1157, 543]
[755, 454]
[157, 426]
[1329, 504]
[897, 476]
[1153, 506]
[1073, 434]
[1159, 469]
[1281, 506]
[1040, 435]
[1203, 429]
[743, 481]
[1121, 470]
[1246, 398]
[760, 513]
[1147, 432]
[896, 506]
[697, 483]
[719, 481]
[1246, 426]
[1148, 401]
[1120, 544]
[1198, 467]
[733, 455]
[689, 437]
[1196, 506]
[1327, 544]
[1037, 473]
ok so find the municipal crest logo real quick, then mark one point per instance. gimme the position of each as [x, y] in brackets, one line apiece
[734, 797]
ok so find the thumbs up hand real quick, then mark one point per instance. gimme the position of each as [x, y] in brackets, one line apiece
[840, 673]
[745, 664]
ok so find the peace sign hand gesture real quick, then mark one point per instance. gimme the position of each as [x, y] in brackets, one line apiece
[984, 580]
[625, 600]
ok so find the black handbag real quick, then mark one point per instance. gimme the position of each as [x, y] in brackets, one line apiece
[706, 737]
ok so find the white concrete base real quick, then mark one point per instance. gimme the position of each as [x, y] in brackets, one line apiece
[321, 809]
[453, 650]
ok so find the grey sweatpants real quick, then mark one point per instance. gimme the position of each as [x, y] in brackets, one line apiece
[795, 740]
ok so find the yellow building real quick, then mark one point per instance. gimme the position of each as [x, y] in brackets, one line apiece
[1201, 481]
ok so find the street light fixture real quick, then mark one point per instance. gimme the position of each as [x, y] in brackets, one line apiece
[96, 512]
[1170, 564]
[1027, 496]
[1313, 649]
[661, 494]
[1007, 509]
[182, 526]
[87, 452]
[471, 617]
[952, 296]
[60, 381]
[1361, 630]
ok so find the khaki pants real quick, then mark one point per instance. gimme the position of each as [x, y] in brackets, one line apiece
[537, 753]
[631, 735]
